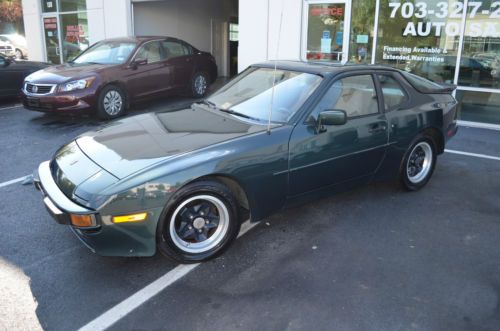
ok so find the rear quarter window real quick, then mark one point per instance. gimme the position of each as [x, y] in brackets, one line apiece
[421, 84]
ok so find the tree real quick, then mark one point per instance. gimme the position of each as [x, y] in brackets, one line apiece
[11, 11]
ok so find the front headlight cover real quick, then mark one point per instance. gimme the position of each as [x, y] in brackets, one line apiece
[74, 85]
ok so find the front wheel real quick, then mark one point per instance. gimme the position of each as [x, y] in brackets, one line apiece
[418, 164]
[200, 222]
[19, 54]
[111, 102]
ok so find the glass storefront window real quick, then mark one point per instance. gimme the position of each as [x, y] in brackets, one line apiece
[420, 37]
[325, 31]
[73, 5]
[74, 29]
[480, 65]
[361, 36]
[49, 6]
[479, 106]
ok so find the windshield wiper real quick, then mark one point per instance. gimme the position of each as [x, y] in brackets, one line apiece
[209, 103]
[232, 112]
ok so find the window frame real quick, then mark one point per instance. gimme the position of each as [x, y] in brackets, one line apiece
[136, 53]
[183, 44]
[313, 111]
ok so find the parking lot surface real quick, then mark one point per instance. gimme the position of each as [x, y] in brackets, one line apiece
[376, 258]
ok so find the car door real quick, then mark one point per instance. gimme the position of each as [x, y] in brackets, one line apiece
[148, 77]
[341, 153]
[12, 77]
[179, 61]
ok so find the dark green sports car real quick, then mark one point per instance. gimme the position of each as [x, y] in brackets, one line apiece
[183, 181]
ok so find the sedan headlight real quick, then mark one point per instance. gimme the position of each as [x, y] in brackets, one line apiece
[74, 85]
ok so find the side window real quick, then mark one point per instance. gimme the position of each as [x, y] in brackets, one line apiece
[174, 49]
[150, 51]
[394, 94]
[354, 94]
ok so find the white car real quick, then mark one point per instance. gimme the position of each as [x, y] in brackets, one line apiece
[6, 49]
[18, 43]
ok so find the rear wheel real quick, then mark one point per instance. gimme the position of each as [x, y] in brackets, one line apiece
[200, 222]
[419, 163]
[199, 85]
[112, 102]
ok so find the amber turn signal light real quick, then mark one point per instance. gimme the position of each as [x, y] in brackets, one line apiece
[82, 220]
[130, 218]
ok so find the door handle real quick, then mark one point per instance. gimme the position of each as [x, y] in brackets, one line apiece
[377, 128]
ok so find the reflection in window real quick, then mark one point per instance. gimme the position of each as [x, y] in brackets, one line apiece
[150, 52]
[479, 106]
[355, 95]
[394, 94]
[252, 93]
[480, 65]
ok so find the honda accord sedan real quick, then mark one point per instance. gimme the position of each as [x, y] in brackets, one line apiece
[182, 182]
[110, 75]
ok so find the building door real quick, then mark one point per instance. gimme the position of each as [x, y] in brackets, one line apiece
[52, 42]
[326, 28]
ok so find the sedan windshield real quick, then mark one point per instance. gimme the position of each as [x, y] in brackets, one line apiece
[106, 53]
[250, 94]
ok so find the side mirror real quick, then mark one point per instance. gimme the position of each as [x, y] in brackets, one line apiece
[138, 62]
[329, 117]
[332, 117]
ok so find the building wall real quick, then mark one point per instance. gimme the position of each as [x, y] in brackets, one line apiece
[203, 23]
[259, 29]
[33, 29]
[106, 19]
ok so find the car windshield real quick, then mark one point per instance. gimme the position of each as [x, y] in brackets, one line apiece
[106, 53]
[250, 94]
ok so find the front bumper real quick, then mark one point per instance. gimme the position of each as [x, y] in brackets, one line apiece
[106, 238]
[76, 102]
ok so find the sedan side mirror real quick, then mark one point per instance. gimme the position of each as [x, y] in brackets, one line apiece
[330, 117]
[139, 62]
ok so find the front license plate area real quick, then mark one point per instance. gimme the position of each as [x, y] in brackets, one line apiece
[33, 102]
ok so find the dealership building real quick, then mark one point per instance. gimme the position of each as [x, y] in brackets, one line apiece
[447, 41]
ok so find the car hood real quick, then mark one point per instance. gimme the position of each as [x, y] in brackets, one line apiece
[132, 144]
[62, 73]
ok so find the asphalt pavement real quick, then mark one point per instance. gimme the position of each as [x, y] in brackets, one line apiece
[376, 258]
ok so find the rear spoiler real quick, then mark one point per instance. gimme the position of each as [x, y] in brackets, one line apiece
[445, 89]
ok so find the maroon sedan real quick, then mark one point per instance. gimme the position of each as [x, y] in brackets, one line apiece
[112, 73]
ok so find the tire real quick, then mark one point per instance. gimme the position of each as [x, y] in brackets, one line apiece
[419, 163]
[199, 85]
[112, 102]
[199, 222]
[19, 54]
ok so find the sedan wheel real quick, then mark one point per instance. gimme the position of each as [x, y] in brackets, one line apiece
[112, 102]
[199, 223]
[418, 164]
[199, 85]
[19, 54]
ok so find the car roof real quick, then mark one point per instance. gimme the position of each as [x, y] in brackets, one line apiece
[138, 39]
[320, 68]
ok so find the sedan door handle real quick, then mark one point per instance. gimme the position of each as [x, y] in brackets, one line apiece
[378, 128]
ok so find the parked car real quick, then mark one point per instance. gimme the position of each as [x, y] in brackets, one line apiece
[6, 49]
[12, 74]
[19, 44]
[111, 74]
[211, 165]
